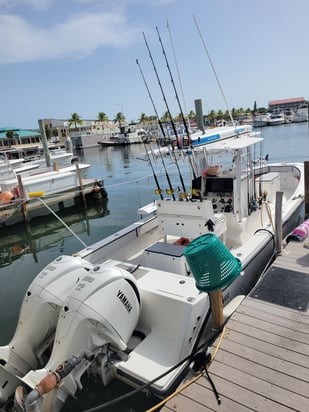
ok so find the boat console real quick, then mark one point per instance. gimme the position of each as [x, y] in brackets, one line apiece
[217, 189]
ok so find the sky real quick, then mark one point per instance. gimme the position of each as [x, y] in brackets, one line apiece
[58, 57]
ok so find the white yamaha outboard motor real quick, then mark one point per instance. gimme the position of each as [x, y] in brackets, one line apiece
[103, 309]
[38, 320]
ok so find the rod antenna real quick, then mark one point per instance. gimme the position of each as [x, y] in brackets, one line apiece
[214, 71]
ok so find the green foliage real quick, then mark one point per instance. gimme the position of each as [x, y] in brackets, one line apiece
[75, 119]
[120, 119]
[9, 134]
[102, 117]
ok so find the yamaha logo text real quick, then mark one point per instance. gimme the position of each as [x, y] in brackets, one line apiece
[121, 296]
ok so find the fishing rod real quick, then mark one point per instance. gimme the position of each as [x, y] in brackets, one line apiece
[159, 191]
[178, 73]
[174, 87]
[180, 108]
[162, 129]
[153, 105]
[163, 95]
[161, 126]
[171, 191]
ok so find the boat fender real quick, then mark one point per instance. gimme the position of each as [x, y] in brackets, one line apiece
[300, 233]
[103, 192]
[16, 192]
[6, 197]
[99, 188]
[182, 241]
[36, 194]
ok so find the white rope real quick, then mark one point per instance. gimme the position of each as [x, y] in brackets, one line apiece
[64, 224]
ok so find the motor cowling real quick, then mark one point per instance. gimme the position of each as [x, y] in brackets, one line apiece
[103, 309]
[38, 318]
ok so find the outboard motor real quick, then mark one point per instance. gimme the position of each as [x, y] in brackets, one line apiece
[38, 320]
[102, 310]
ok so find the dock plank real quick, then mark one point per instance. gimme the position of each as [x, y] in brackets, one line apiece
[263, 360]
[267, 373]
[268, 347]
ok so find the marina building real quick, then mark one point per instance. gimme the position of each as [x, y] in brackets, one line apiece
[284, 104]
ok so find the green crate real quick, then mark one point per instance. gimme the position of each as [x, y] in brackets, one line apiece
[211, 263]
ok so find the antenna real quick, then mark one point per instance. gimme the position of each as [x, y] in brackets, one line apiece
[213, 69]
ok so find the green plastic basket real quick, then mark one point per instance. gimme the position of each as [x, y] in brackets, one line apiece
[212, 264]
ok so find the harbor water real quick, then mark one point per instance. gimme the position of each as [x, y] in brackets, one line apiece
[129, 182]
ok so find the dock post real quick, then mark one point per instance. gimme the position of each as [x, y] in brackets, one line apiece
[216, 305]
[278, 223]
[306, 168]
[80, 184]
[44, 142]
[23, 197]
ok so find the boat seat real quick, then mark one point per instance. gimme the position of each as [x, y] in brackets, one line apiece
[169, 337]
[167, 257]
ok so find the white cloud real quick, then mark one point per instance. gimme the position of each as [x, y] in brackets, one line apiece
[26, 42]
[45, 29]
[37, 4]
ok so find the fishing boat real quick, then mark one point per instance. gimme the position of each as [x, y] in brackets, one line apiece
[30, 194]
[18, 158]
[127, 136]
[276, 119]
[260, 120]
[142, 302]
[301, 114]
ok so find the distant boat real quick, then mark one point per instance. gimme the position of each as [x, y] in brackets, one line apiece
[18, 160]
[20, 194]
[260, 120]
[131, 136]
[276, 119]
[288, 115]
[247, 119]
[301, 114]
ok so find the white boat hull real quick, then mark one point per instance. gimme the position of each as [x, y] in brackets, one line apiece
[234, 205]
[55, 188]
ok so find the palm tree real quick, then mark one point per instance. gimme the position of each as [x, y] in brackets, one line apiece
[143, 118]
[165, 117]
[47, 132]
[75, 119]
[10, 135]
[102, 117]
[120, 119]
[212, 116]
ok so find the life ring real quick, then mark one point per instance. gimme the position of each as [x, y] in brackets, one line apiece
[182, 241]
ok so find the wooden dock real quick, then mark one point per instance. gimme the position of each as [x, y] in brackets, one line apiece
[262, 362]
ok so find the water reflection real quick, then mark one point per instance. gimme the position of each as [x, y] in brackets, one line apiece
[43, 233]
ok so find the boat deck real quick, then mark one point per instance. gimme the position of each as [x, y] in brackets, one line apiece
[262, 361]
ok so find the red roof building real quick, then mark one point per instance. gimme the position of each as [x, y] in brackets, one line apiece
[283, 104]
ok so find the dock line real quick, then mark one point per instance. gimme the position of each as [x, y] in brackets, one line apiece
[64, 224]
